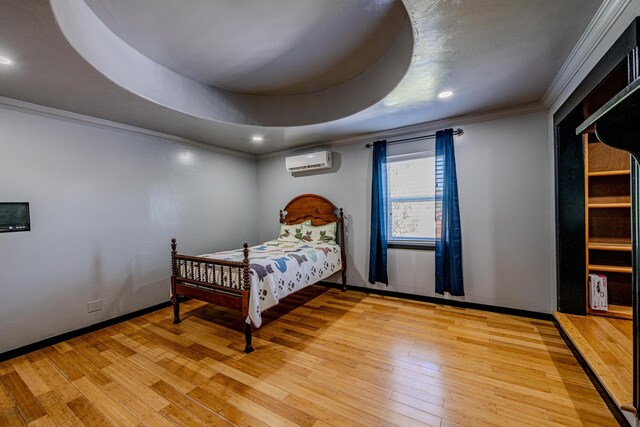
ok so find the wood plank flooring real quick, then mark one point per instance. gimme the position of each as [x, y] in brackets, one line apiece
[324, 358]
[607, 346]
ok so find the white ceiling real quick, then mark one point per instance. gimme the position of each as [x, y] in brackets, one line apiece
[492, 53]
[278, 47]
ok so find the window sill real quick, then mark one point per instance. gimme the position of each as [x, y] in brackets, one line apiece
[412, 246]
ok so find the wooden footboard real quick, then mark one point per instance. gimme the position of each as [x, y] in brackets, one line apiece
[228, 283]
[217, 281]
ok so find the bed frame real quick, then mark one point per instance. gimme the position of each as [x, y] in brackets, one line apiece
[211, 280]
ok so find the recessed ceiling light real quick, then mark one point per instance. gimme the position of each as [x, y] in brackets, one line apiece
[445, 94]
[257, 138]
[5, 61]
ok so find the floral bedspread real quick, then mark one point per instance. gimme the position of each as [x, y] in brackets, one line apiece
[281, 268]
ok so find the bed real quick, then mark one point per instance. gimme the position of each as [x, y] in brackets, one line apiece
[309, 249]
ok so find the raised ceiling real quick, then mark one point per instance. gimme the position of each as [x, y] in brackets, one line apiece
[492, 53]
[284, 47]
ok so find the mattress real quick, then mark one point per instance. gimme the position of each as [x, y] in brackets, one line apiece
[278, 269]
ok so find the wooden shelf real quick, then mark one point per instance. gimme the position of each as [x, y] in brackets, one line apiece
[610, 268]
[609, 173]
[608, 205]
[602, 246]
[615, 311]
[607, 197]
[610, 240]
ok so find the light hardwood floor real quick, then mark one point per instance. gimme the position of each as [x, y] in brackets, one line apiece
[323, 358]
[606, 344]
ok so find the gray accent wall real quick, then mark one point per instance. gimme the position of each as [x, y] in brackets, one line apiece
[504, 172]
[104, 206]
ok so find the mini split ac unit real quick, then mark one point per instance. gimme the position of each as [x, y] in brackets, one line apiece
[309, 161]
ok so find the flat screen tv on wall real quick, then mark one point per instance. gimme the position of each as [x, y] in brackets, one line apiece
[14, 217]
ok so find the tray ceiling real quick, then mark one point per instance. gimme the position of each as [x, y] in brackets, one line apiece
[492, 54]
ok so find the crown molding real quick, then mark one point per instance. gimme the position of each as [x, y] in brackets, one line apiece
[412, 130]
[600, 25]
[68, 116]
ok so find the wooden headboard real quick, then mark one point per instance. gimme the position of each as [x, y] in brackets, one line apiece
[310, 207]
[320, 211]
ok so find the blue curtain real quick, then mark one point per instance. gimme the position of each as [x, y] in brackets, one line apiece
[379, 215]
[448, 234]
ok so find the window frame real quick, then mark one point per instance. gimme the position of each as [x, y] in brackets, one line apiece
[426, 243]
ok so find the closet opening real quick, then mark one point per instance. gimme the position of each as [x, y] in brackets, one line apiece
[596, 192]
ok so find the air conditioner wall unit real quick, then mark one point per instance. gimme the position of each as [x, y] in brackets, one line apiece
[308, 162]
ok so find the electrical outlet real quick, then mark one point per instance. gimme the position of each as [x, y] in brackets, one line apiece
[94, 305]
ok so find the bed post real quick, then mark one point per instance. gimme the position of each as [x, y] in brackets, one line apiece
[175, 302]
[281, 217]
[246, 291]
[343, 253]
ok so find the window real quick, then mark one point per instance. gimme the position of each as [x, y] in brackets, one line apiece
[412, 199]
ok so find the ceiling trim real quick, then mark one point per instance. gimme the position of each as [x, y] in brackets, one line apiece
[68, 116]
[412, 130]
[604, 19]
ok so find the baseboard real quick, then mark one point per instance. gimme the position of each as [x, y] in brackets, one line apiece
[443, 301]
[608, 400]
[77, 332]
[87, 329]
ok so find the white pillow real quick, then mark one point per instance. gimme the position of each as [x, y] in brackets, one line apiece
[320, 234]
[292, 233]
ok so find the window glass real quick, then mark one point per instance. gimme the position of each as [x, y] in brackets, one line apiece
[412, 197]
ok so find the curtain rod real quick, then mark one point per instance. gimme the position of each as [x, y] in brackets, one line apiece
[430, 136]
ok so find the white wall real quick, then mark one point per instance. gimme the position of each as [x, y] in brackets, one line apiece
[104, 205]
[506, 213]
[105, 202]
